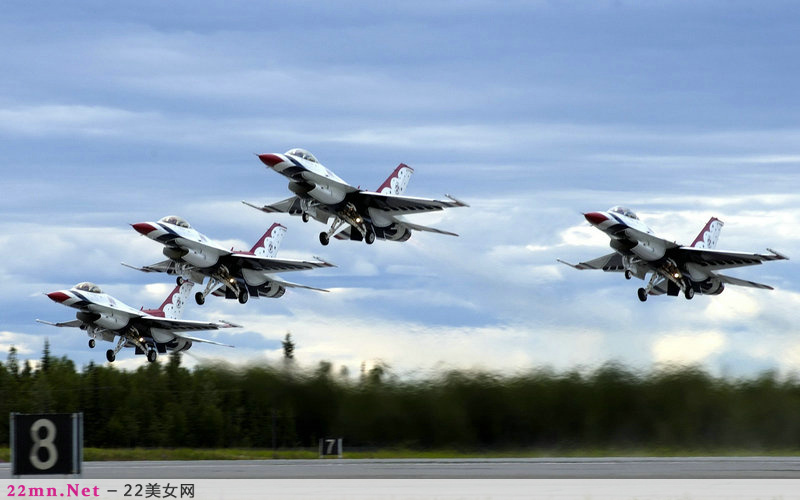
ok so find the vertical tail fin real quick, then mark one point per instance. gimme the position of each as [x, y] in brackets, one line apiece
[267, 245]
[397, 182]
[709, 236]
[174, 304]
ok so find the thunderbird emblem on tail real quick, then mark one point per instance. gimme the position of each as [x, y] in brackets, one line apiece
[674, 268]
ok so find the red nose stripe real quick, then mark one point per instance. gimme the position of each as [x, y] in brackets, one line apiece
[595, 218]
[270, 160]
[58, 296]
[143, 228]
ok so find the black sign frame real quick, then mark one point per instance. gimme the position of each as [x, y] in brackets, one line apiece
[46, 443]
[330, 447]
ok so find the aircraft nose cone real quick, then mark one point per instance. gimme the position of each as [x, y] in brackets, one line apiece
[270, 159]
[143, 228]
[595, 218]
[57, 296]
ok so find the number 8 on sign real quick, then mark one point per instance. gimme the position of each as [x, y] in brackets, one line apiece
[46, 442]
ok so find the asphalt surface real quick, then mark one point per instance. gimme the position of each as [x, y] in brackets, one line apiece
[535, 468]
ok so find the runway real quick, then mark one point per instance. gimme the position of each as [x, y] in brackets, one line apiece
[523, 468]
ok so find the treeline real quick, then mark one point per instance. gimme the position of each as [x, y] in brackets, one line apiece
[166, 405]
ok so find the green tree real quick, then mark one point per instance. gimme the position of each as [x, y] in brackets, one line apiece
[288, 347]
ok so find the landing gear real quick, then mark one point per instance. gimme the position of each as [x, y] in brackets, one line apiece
[179, 281]
[628, 274]
[324, 238]
[243, 296]
[221, 279]
[370, 237]
[642, 294]
[689, 292]
[110, 356]
[91, 343]
[305, 217]
[152, 355]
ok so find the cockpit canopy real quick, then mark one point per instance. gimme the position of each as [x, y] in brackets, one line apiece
[627, 212]
[87, 286]
[176, 221]
[302, 153]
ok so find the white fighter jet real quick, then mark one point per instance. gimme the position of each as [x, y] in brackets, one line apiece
[149, 331]
[357, 214]
[674, 268]
[232, 273]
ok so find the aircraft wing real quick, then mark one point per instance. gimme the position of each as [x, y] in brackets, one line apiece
[75, 323]
[718, 259]
[399, 205]
[183, 325]
[740, 282]
[289, 206]
[269, 264]
[609, 263]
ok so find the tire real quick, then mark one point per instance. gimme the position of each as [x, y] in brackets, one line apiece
[179, 281]
[689, 293]
[370, 237]
[243, 296]
[324, 239]
[110, 356]
[642, 294]
[628, 274]
[198, 297]
[91, 343]
[304, 217]
[152, 355]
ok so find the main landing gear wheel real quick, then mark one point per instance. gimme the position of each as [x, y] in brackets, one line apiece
[110, 356]
[324, 238]
[152, 355]
[628, 274]
[243, 296]
[91, 343]
[370, 237]
[198, 297]
[689, 293]
[642, 294]
[304, 217]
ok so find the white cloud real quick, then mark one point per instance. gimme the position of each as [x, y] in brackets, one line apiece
[688, 349]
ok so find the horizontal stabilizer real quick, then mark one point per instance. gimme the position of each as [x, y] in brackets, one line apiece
[289, 205]
[418, 227]
[740, 282]
[204, 341]
[159, 267]
[609, 263]
[297, 285]
[72, 324]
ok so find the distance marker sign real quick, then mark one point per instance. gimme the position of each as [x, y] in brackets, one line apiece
[46, 443]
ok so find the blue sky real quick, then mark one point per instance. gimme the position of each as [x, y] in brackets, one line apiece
[532, 112]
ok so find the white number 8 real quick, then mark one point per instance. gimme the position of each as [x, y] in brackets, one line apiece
[46, 443]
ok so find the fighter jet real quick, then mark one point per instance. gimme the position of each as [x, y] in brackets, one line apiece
[149, 331]
[232, 273]
[357, 214]
[674, 268]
